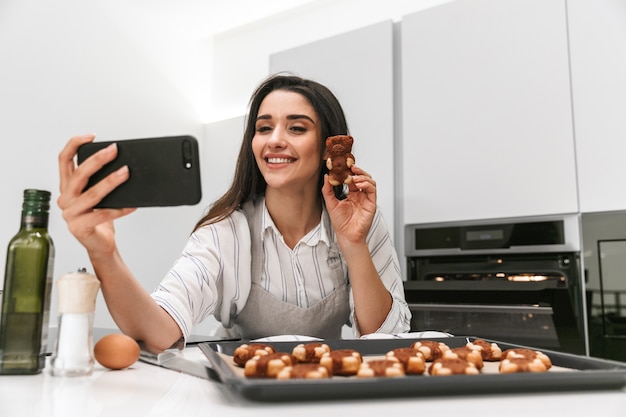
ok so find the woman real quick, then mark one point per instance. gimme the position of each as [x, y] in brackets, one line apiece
[277, 254]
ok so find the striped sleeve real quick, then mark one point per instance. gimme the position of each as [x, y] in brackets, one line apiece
[211, 276]
[386, 262]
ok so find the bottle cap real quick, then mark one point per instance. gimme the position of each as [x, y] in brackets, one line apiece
[36, 200]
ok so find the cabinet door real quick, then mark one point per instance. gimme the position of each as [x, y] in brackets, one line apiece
[486, 111]
[358, 67]
[598, 57]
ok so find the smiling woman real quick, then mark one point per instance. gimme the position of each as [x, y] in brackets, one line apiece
[286, 145]
[251, 263]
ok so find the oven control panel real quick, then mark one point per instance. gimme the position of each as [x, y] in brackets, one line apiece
[549, 234]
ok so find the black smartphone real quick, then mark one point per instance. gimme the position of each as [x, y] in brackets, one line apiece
[164, 171]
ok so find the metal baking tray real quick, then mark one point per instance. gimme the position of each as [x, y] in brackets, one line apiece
[569, 372]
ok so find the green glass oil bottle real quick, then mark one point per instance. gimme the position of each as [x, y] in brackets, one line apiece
[27, 287]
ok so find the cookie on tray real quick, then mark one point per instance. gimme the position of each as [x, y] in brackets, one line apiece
[310, 352]
[390, 368]
[304, 371]
[526, 353]
[517, 365]
[268, 366]
[248, 350]
[473, 356]
[490, 351]
[431, 349]
[343, 362]
[452, 366]
[412, 359]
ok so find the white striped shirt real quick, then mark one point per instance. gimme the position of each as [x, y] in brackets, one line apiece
[212, 276]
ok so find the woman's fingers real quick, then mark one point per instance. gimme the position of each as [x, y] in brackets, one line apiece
[98, 191]
[356, 170]
[66, 157]
[362, 181]
[74, 179]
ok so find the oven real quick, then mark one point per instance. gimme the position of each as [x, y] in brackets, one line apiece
[512, 280]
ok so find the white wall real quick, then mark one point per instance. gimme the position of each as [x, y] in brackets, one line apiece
[69, 67]
[72, 67]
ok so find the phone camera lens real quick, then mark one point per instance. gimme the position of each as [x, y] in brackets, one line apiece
[187, 154]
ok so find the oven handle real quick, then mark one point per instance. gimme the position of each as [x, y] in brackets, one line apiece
[482, 308]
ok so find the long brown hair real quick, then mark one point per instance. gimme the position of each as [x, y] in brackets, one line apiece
[248, 182]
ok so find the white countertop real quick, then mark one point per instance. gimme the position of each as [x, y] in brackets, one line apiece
[148, 390]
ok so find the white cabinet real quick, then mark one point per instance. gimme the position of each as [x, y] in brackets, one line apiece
[486, 111]
[358, 67]
[598, 59]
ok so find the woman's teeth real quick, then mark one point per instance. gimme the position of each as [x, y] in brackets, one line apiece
[278, 160]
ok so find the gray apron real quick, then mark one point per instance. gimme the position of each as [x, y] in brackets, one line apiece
[265, 315]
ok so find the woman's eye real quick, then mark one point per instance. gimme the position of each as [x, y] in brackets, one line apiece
[298, 129]
[262, 129]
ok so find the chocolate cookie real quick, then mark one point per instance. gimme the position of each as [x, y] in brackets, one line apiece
[452, 366]
[342, 362]
[490, 351]
[248, 350]
[515, 365]
[431, 349]
[304, 371]
[530, 354]
[268, 366]
[381, 368]
[310, 352]
[412, 359]
[473, 356]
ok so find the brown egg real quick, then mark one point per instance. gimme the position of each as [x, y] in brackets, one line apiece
[116, 351]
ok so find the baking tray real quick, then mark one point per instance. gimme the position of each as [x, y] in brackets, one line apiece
[569, 372]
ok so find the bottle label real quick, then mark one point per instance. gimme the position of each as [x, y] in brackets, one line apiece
[35, 220]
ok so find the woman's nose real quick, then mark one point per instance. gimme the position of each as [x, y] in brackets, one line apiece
[277, 138]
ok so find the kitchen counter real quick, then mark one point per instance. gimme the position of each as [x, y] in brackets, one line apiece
[149, 390]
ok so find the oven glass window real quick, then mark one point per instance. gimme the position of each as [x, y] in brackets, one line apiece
[612, 271]
[525, 325]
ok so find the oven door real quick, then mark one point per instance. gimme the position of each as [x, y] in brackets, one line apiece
[524, 325]
[541, 317]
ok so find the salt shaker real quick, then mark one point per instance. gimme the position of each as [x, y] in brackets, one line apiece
[73, 353]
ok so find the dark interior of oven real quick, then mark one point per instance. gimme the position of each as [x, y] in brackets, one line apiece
[474, 281]
[525, 299]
